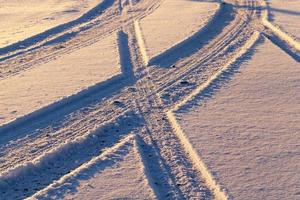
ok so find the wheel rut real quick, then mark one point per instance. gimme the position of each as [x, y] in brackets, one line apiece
[144, 105]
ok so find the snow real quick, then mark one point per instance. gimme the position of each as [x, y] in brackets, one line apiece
[50, 82]
[125, 180]
[114, 175]
[23, 19]
[64, 160]
[246, 125]
[173, 22]
[286, 15]
[149, 99]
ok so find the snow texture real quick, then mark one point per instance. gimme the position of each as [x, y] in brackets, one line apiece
[246, 126]
[50, 82]
[169, 25]
[24, 19]
[286, 15]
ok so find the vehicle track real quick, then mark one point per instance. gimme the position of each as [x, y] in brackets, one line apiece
[160, 147]
[238, 30]
[101, 27]
[164, 135]
[159, 133]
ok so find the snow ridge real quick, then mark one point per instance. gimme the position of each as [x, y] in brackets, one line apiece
[141, 42]
[278, 32]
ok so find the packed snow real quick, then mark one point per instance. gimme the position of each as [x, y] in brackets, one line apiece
[23, 19]
[50, 82]
[173, 22]
[245, 126]
[286, 15]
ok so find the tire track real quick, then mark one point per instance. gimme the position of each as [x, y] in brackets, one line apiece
[219, 194]
[105, 159]
[276, 31]
[279, 37]
[105, 25]
[198, 162]
[161, 144]
[69, 155]
[62, 131]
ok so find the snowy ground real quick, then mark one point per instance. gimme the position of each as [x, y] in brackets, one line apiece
[169, 25]
[149, 99]
[286, 15]
[50, 82]
[23, 19]
[246, 126]
[116, 175]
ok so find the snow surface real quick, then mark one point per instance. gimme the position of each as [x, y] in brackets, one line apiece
[98, 123]
[286, 15]
[246, 126]
[22, 19]
[114, 175]
[173, 22]
[50, 82]
[125, 180]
